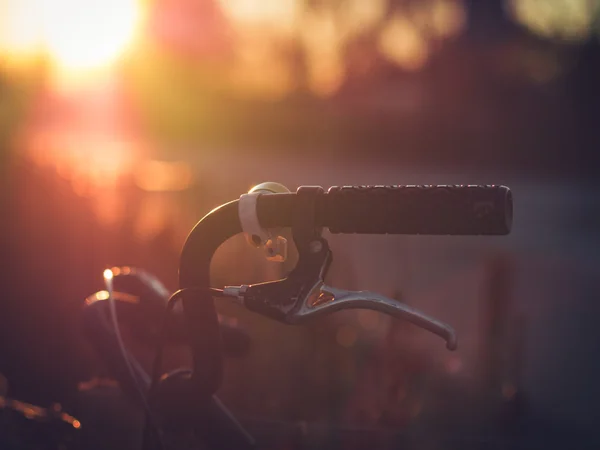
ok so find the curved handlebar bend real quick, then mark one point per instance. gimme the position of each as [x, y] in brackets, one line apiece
[439, 210]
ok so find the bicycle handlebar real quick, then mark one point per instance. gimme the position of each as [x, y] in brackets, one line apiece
[458, 210]
[424, 209]
[432, 210]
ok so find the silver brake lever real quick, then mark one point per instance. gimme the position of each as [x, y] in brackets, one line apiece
[324, 299]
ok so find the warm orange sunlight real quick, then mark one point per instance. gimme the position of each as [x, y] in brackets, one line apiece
[77, 36]
[163, 176]
[447, 18]
[403, 43]
[108, 274]
[20, 30]
[323, 45]
[86, 35]
[274, 14]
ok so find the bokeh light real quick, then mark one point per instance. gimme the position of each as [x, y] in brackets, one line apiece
[279, 16]
[403, 43]
[163, 176]
[568, 20]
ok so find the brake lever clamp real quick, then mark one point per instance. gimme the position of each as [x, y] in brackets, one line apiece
[303, 295]
[281, 299]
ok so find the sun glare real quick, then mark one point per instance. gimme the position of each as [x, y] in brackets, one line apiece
[77, 36]
[20, 29]
[88, 35]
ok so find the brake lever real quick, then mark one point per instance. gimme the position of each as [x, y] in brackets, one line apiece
[303, 294]
[325, 299]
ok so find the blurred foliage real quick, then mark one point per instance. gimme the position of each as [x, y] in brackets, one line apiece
[271, 52]
[283, 61]
[17, 88]
[571, 21]
[279, 71]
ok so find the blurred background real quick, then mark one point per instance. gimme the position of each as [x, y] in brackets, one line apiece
[123, 122]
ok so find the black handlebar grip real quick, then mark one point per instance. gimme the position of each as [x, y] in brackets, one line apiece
[424, 209]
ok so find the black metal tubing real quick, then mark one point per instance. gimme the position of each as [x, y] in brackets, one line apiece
[212, 421]
[198, 305]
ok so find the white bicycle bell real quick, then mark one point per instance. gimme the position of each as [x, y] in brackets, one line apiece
[274, 245]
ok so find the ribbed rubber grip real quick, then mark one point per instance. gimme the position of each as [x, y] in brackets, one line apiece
[434, 210]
